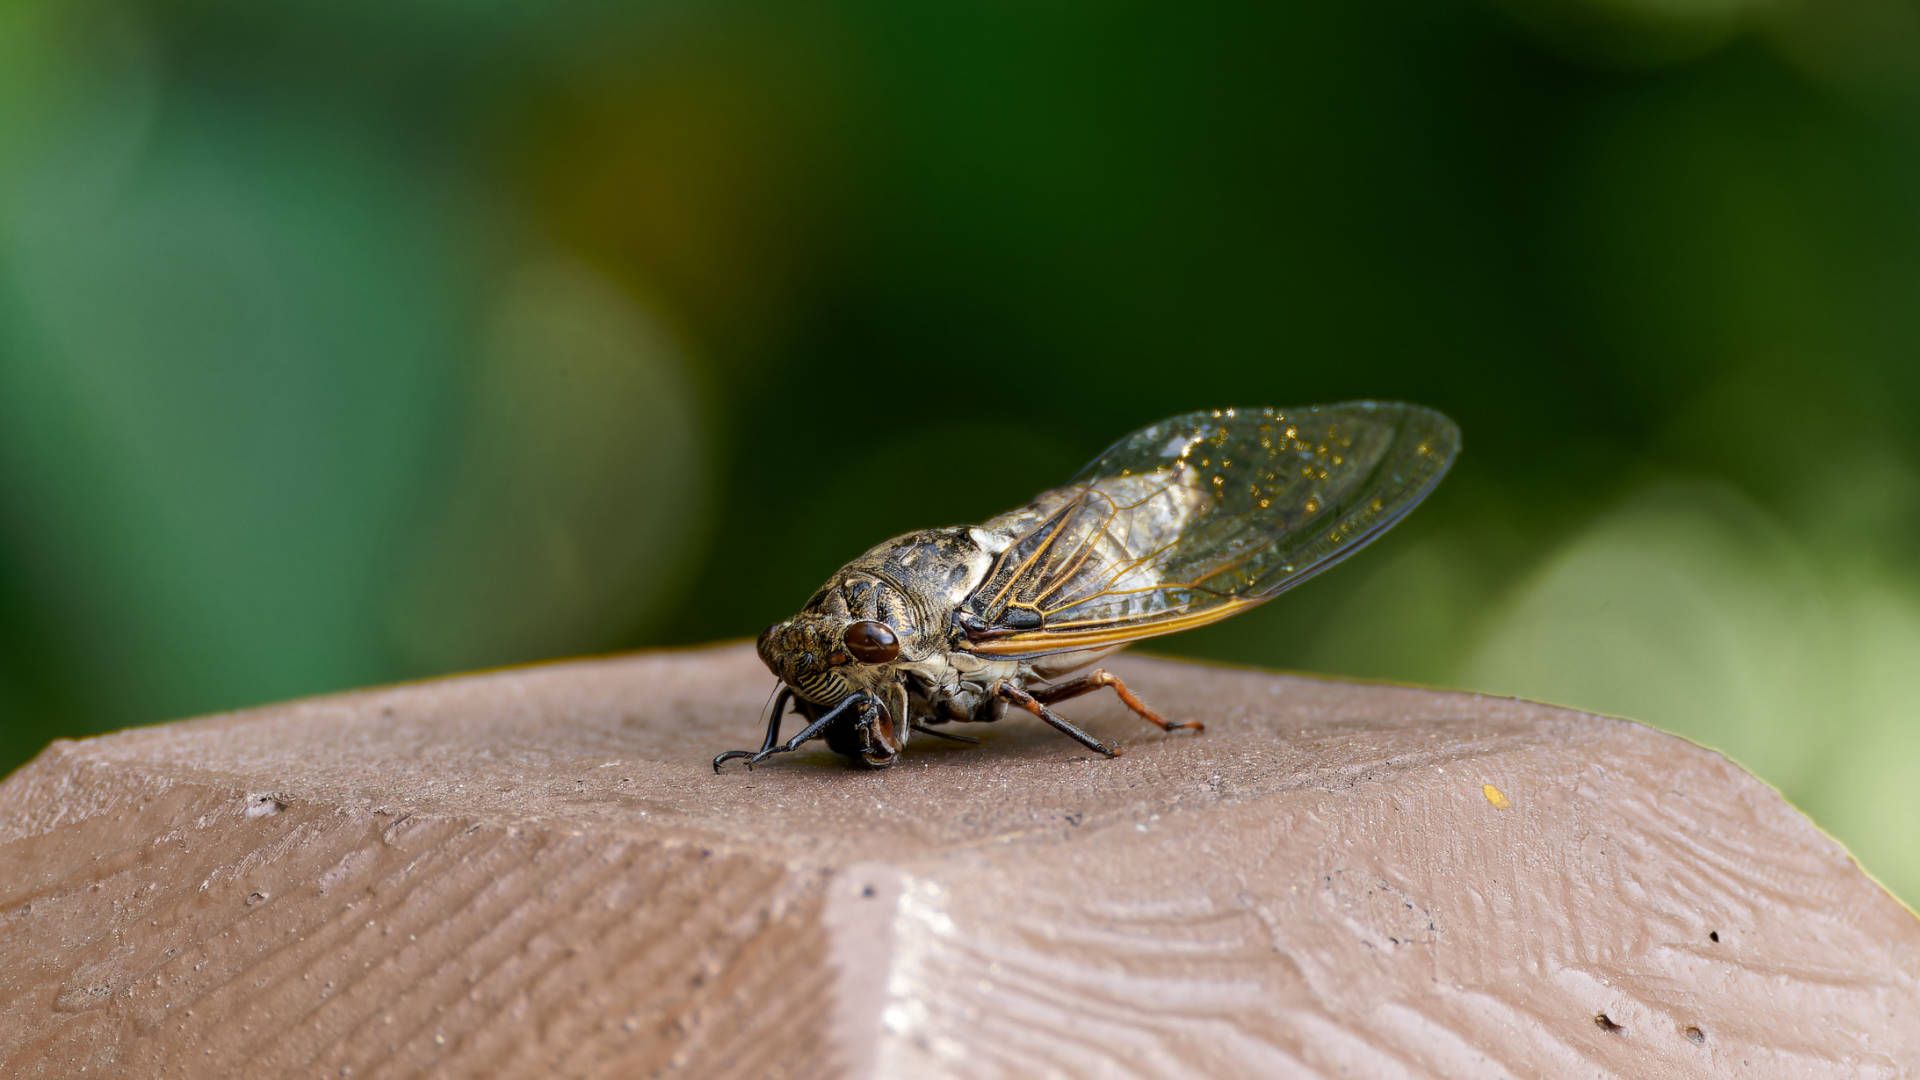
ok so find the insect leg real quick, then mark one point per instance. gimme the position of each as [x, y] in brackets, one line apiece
[1062, 724]
[948, 735]
[773, 730]
[861, 700]
[1087, 684]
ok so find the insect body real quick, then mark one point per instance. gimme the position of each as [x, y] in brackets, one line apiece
[1182, 523]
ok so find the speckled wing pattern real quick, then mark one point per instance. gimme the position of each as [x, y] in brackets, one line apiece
[1201, 516]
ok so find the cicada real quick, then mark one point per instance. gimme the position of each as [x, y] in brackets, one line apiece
[1180, 524]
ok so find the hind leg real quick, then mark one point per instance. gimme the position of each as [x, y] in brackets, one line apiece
[1101, 677]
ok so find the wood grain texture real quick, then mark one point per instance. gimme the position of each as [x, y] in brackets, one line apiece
[534, 873]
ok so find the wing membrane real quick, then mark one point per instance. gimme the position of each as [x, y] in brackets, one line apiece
[1201, 516]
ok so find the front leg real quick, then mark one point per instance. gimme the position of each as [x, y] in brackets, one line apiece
[1009, 692]
[861, 701]
[772, 740]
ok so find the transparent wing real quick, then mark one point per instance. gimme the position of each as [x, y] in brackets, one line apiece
[1201, 516]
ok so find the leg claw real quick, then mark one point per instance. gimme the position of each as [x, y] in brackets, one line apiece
[752, 757]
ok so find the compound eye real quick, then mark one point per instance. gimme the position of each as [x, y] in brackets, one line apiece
[872, 642]
[764, 645]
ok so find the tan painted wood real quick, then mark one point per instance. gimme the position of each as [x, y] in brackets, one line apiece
[534, 873]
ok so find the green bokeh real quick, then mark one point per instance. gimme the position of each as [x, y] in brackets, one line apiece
[343, 343]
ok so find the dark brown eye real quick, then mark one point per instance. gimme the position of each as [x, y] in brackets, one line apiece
[872, 642]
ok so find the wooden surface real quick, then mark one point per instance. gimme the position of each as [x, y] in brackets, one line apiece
[535, 873]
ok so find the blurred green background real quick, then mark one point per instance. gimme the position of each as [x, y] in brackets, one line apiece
[347, 342]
